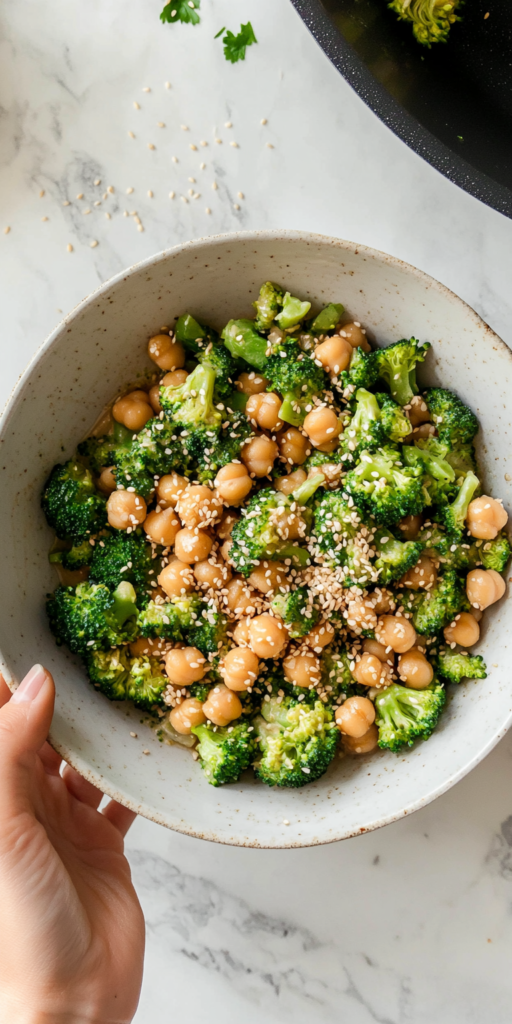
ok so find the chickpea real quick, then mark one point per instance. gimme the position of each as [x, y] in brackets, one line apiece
[365, 744]
[133, 411]
[187, 715]
[174, 379]
[224, 528]
[222, 706]
[464, 630]
[251, 383]
[302, 668]
[154, 398]
[169, 489]
[212, 575]
[233, 483]
[414, 670]
[165, 352]
[176, 579]
[241, 633]
[367, 671]
[107, 480]
[259, 455]
[334, 354]
[289, 525]
[418, 411]
[287, 484]
[361, 615]
[225, 548]
[424, 431]
[162, 527]
[239, 668]
[328, 446]
[126, 510]
[318, 637]
[185, 665]
[192, 545]
[268, 577]
[355, 334]
[484, 587]
[240, 597]
[378, 650]
[263, 411]
[422, 576]
[294, 447]
[143, 645]
[486, 516]
[198, 506]
[267, 635]
[383, 601]
[355, 716]
[410, 527]
[322, 426]
[396, 632]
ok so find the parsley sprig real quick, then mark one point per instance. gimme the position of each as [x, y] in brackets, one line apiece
[181, 10]
[235, 46]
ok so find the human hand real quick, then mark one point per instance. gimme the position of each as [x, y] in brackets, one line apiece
[71, 926]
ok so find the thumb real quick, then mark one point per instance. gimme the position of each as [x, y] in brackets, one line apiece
[24, 723]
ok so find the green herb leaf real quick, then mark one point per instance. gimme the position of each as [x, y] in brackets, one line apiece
[181, 10]
[235, 46]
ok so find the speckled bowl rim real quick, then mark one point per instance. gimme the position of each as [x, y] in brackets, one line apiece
[204, 243]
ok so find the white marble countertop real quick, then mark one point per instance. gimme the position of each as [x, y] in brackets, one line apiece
[407, 925]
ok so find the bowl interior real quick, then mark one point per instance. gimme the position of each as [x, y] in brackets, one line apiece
[101, 346]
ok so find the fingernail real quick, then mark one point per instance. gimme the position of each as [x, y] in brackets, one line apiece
[30, 685]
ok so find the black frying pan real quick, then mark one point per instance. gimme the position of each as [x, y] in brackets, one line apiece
[452, 104]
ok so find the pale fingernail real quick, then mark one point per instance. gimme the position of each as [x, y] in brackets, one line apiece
[30, 685]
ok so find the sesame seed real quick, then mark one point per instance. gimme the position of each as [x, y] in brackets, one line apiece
[151, 146]
[174, 159]
[80, 195]
[131, 135]
[236, 206]
[167, 85]
[94, 243]
[192, 146]
[41, 194]
[66, 203]
[207, 209]
[129, 190]
[218, 141]
[214, 186]
[269, 145]
[172, 195]
[133, 735]
[44, 218]
[110, 188]
[69, 247]
[150, 194]
[7, 230]
[160, 124]
[240, 195]
[146, 89]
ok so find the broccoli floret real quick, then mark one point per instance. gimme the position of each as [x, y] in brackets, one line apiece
[146, 683]
[76, 558]
[160, 620]
[394, 557]
[396, 365]
[364, 430]
[453, 516]
[297, 611]
[200, 691]
[433, 609]
[323, 459]
[297, 742]
[455, 666]
[121, 677]
[342, 536]
[438, 476]
[384, 488]
[217, 358]
[292, 312]
[187, 609]
[495, 554]
[256, 535]
[189, 333]
[337, 678]
[191, 404]
[404, 715]
[327, 319]
[91, 617]
[462, 459]
[456, 425]
[244, 342]
[209, 631]
[225, 753]
[152, 452]
[439, 545]
[109, 671]
[267, 305]
[101, 451]
[124, 556]
[395, 423]
[362, 371]
[210, 449]
[295, 376]
[431, 19]
[72, 506]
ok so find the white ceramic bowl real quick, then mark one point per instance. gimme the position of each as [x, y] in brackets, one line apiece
[100, 346]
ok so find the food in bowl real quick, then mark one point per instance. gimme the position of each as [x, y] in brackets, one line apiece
[278, 545]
